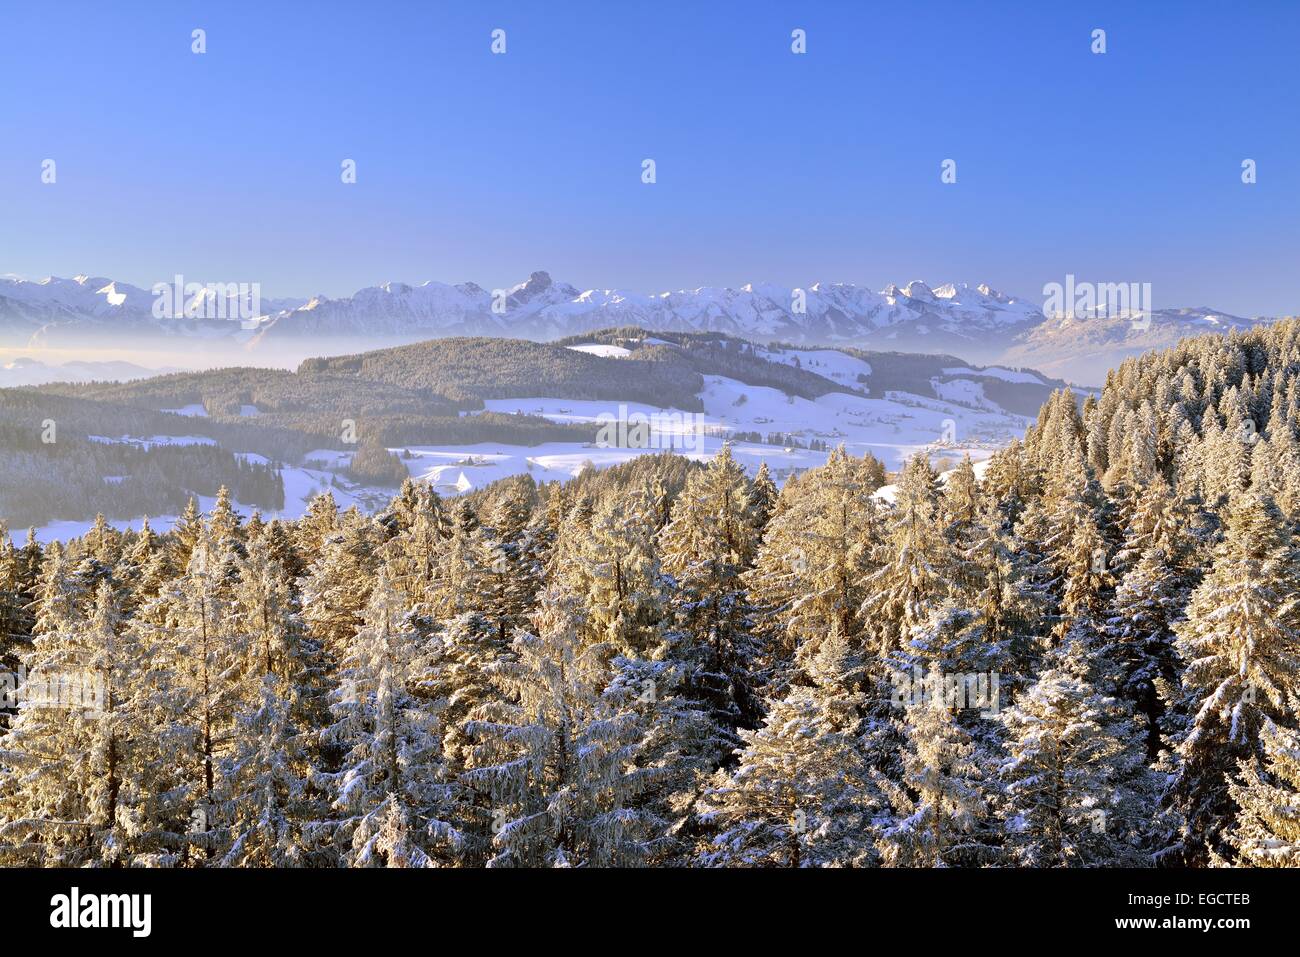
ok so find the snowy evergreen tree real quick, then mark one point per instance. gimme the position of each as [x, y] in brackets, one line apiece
[64, 762]
[1239, 650]
[1077, 791]
[266, 794]
[557, 761]
[207, 654]
[14, 627]
[809, 576]
[802, 793]
[393, 793]
[937, 808]
[1147, 606]
[262, 798]
[615, 569]
[337, 585]
[764, 496]
[902, 594]
[1267, 830]
[224, 523]
[511, 563]
[452, 678]
[706, 547]
[461, 565]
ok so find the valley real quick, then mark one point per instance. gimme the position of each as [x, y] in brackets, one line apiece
[463, 413]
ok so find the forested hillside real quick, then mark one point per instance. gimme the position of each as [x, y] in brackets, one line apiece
[717, 354]
[779, 365]
[466, 369]
[266, 409]
[351, 421]
[60, 458]
[144, 447]
[1087, 657]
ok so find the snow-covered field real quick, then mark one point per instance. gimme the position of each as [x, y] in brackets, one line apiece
[997, 372]
[599, 349]
[964, 391]
[892, 427]
[829, 363]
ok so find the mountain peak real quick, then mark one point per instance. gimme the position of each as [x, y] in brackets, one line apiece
[916, 289]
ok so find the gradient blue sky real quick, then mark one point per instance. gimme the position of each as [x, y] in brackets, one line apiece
[771, 166]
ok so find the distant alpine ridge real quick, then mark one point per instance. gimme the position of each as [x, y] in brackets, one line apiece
[976, 322]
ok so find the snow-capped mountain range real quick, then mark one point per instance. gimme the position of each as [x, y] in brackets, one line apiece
[541, 308]
[975, 322]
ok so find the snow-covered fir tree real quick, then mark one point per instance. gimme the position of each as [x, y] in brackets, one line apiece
[1078, 793]
[78, 737]
[706, 548]
[392, 793]
[558, 759]
[1238, 646]
[817, 553]
[938, 806]
[802, 793]
[906, 588]
[1267, 829]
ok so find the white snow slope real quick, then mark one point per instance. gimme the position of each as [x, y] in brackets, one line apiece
[892, 427]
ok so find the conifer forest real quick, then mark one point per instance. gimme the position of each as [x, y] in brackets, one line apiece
[1085, 655]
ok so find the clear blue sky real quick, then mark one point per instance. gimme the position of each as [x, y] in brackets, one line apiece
[771, 166]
